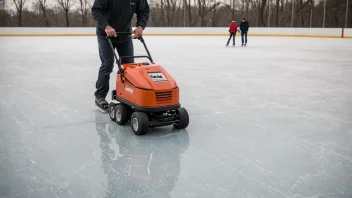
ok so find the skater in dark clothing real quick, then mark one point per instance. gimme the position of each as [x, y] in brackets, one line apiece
[244, 26]
[232, 30]
[112, 17]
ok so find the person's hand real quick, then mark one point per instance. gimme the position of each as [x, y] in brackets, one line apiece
[138, 32]
[110, 31]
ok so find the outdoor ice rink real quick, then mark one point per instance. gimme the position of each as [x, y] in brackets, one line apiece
[273, 119]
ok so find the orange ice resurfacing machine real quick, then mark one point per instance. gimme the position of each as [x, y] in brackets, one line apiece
[147, 96]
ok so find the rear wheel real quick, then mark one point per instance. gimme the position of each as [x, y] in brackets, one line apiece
[139, 123]
[183, 118]
[111, 109]
[121, 114]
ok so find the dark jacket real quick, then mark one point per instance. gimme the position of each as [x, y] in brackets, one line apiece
[244, 26]
[118, 14]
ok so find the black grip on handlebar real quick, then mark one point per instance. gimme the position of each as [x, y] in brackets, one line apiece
[120, 33]
[124, 33]
[140, 38]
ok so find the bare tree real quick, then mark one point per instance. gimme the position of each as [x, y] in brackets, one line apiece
[84, 5]
[195, 13]
[179, 12]
[168, 13]
[201, 12]
[189, 12]
[233, 9]
[162, 14]
[261, 8]
[66, 6]
[248, 2]
[173, 8]
[277, 13]
[214, 18]
[90, 5]
[19, 8]
[3, 15]
[299, 10]
[204, 8]
[43, 6]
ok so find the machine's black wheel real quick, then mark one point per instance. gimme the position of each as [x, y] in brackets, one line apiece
[111, 110]
[139, 123]
[121, 114]
[182, 116]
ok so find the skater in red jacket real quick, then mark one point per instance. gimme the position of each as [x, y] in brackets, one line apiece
[232, 30]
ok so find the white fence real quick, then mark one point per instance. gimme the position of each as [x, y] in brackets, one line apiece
[175, 31]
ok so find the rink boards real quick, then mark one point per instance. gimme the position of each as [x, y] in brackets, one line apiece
[188, 31]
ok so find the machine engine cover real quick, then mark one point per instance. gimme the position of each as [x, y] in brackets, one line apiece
[147, 86]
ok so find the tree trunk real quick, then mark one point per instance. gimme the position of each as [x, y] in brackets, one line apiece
[189, 13]
[20, 21]
[162, 13]
[247, 8]
[260, 15]
[168, 13]
[233, 9]
[66, 6]
[179, 13]
[4, 22]
[282, 18]
[67, 19]
[19, 4]
[337, 14]
[242, 8]
[300, 4]
[214, 19]
[277, 13]
[47, 23]
[83, 20]
[204, 22]
[43, 6]
[200, 11]
[310, 11]
[173, 13]
[349, 21]
[83, 4]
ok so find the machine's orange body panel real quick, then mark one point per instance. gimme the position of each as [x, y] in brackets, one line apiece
[147, 86]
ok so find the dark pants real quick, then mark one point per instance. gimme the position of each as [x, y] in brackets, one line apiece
[232, 34]
[244, 37]
[108, 61]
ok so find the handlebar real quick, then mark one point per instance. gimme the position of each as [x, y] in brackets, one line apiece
[120, 33]
[118, 61]
[124, 33]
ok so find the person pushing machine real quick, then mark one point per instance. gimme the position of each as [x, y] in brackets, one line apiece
[112, 17]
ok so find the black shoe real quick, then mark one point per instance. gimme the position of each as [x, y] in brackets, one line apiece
[101, 101]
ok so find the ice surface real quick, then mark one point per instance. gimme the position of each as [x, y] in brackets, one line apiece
[273, 119]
